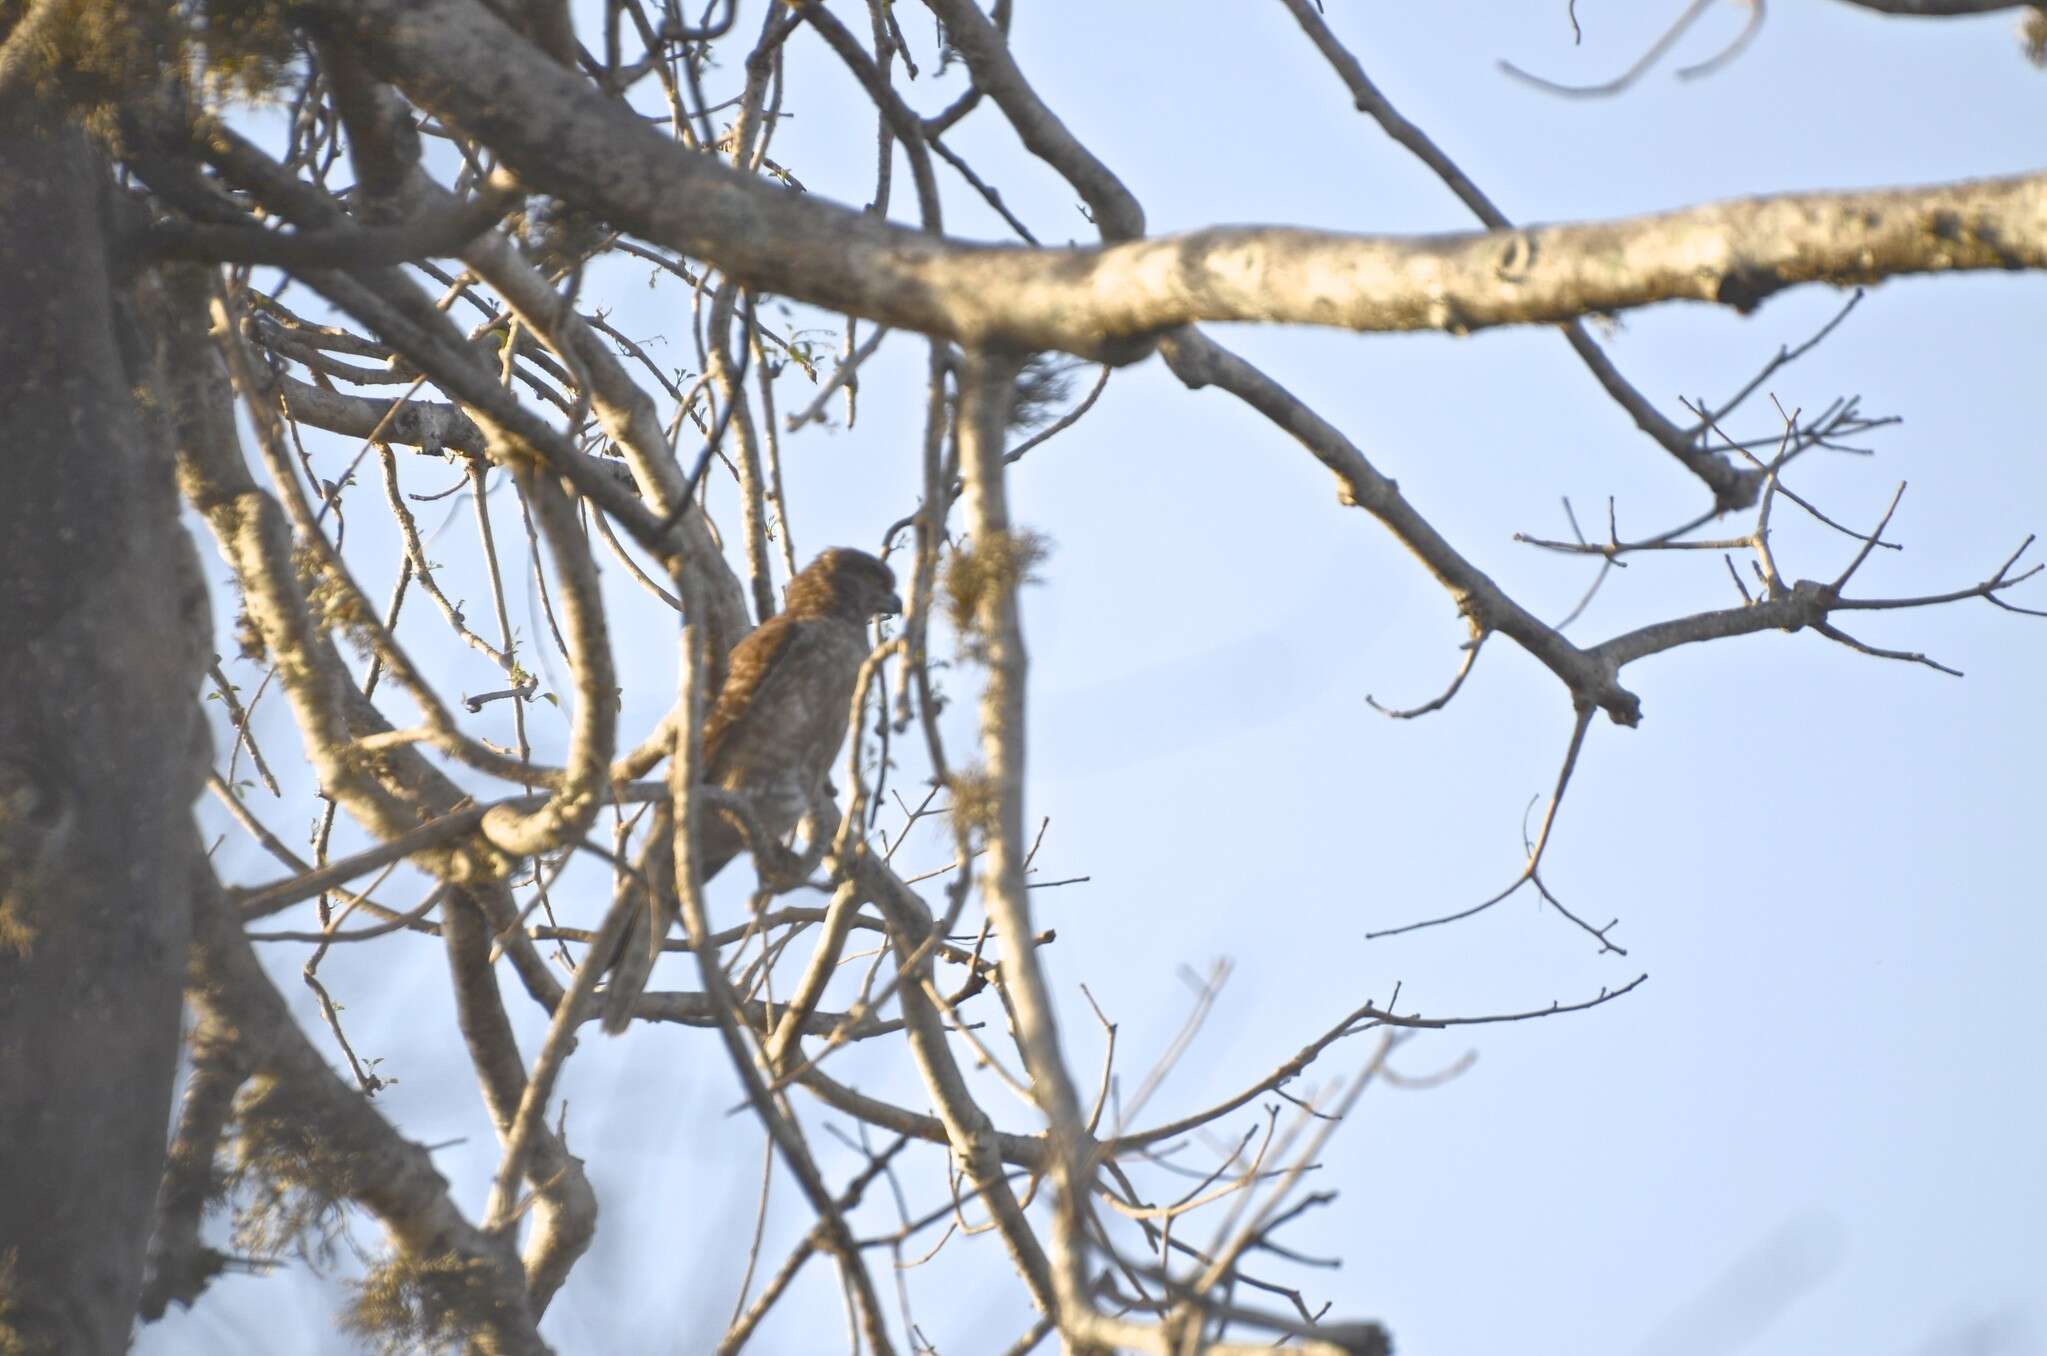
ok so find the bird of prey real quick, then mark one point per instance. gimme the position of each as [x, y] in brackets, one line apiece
[774, 730]
[781, 716]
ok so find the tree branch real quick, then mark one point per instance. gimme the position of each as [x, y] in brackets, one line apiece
[563, 136]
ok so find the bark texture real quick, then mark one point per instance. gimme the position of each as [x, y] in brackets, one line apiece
[103, 616]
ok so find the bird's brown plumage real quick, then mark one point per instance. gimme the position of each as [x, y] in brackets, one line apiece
[778, 721]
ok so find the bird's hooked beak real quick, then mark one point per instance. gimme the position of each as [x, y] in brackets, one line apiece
[892, 606]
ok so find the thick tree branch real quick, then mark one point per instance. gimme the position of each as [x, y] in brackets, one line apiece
[561, 135]
[1001, 560]
[1937, 9]
[301, 1120]
[102, 749]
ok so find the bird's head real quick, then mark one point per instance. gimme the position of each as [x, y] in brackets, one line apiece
[847, 583]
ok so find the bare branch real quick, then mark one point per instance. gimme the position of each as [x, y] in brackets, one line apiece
[1106, 301]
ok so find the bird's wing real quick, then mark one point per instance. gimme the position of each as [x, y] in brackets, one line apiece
[750, 672]
[782, 713]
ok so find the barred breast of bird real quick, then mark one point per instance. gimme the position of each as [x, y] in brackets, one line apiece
[825, 712]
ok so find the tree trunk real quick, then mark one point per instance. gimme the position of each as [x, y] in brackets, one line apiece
[103, 624]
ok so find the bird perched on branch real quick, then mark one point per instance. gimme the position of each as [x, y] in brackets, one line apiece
[777, 725]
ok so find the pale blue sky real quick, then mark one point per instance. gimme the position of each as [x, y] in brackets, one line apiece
[1818, 1126]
